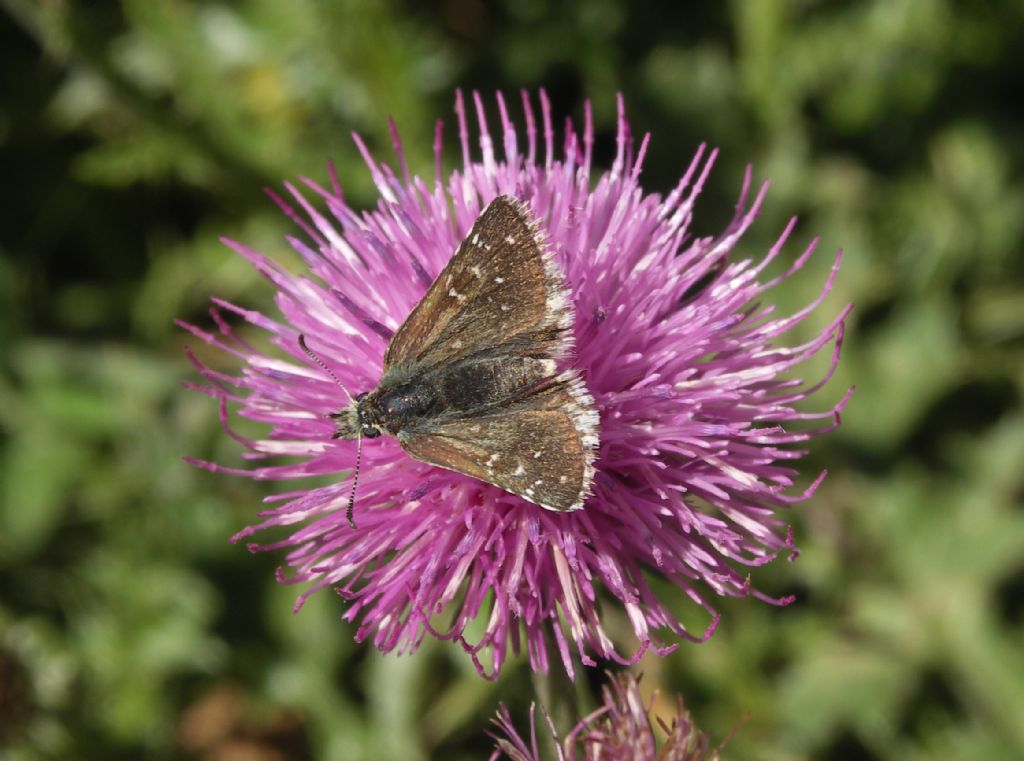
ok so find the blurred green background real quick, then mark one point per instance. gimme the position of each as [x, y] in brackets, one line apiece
[135, 133]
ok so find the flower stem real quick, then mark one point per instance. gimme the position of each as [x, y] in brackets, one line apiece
[560, 697]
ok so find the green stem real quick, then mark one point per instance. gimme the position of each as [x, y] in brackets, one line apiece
[566, 701]
[556, 693]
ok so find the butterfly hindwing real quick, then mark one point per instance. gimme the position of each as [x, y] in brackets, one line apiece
[500, 284]
[542, 448]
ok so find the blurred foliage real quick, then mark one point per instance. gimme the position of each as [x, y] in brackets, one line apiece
[133, 134]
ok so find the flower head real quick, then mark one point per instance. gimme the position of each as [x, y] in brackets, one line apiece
[698, 424]
[620, 730]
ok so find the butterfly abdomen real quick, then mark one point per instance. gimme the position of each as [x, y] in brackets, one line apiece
[455, 390]
[475, 385]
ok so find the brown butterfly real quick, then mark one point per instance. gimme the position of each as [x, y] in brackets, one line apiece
[471, 380]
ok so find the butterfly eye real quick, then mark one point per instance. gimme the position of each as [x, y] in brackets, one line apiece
[370, 432]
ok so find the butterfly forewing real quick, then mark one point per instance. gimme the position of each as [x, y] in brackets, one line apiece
[500, 284]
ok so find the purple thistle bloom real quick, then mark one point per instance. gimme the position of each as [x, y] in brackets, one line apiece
[620, 730]
[696, 405]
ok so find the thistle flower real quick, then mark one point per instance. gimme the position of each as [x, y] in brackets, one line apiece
[698, 424]
[620, 730]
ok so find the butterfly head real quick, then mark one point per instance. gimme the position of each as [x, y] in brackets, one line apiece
[354, 421]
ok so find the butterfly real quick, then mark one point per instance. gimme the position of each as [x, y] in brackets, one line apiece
[473, 380]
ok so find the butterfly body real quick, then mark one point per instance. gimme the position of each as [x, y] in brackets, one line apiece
[472, 379]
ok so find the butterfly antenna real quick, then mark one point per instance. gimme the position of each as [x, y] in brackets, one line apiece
[323, 366]
[359, 438]
[355, 482]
